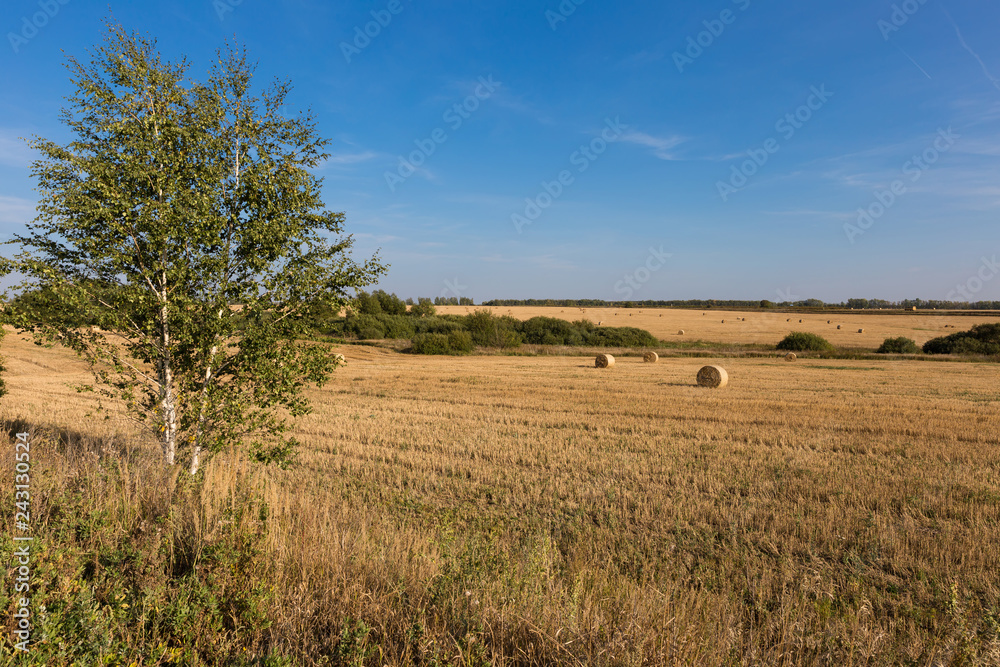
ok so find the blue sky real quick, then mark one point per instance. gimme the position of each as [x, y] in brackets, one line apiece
[705, 149]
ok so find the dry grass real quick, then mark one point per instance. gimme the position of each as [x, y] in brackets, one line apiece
[754, 326]
[512, 510]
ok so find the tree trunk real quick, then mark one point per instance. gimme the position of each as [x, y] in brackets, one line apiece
[168, 401]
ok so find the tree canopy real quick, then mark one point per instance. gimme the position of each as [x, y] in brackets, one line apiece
[185, 237]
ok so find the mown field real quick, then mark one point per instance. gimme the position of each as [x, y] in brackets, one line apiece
[756, 326]
[535, 510]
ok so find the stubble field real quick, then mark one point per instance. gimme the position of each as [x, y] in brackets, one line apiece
[537, 510]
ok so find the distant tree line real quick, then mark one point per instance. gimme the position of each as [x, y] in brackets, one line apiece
[380, 315]
[856, 304]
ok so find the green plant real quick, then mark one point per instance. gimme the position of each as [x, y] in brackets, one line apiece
[801, 341]
[174, 201]
[901, 345]
[460, 341]
[980, 339]
[430, 343]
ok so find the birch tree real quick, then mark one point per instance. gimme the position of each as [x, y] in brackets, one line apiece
[182, 220]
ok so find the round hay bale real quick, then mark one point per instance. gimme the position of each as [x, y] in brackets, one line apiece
[604, 361]
[914, 309]
[713, 376]
[861, 330]
[838, 326]
[339, 359]
[651, 357]
[790, 356]
[723, 321]
[828, 322]
[800, 321]
[681, 332]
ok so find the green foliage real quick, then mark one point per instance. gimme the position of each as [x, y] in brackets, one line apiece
[367, 304]
[550, 331]
[800, 341]
[460, 342]
[980, 339]
[423, 308]
[390, 303]
[174, 200]
[621, 337]
[455, 342]
[489, 330]
[901, 345]
[431, 343]
[439, 324]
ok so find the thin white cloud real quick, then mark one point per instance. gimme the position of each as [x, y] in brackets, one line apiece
[351, 158]
[965, 45]
[661, 146]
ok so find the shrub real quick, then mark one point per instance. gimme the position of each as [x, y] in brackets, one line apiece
[397, 326]
[621, 337]
[460, 342]
[367, 304]
[901, 345]
[390, 303]
[434, 324]
[431, 343]
[423, 308]
[491, 331]
[549, 331]
[801, 341]
[980, 339]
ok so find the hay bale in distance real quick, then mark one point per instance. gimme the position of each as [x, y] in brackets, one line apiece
[604, 361]
[681, 332]
[861, 330]
[651, 357]
[790, 356]
[713, 376]
[838, 326]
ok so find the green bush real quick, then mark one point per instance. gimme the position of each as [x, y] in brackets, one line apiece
[390, 303]
[901, 345]
[367, 304]
[431, 343]
[980, 339]
[437, 324]
[423, 308]
[397, 326]
[801, 341]
[460, 342]
[621, 337]
[549, 331]
[491, 331]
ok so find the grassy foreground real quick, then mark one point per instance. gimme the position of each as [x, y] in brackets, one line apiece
[531, 510]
